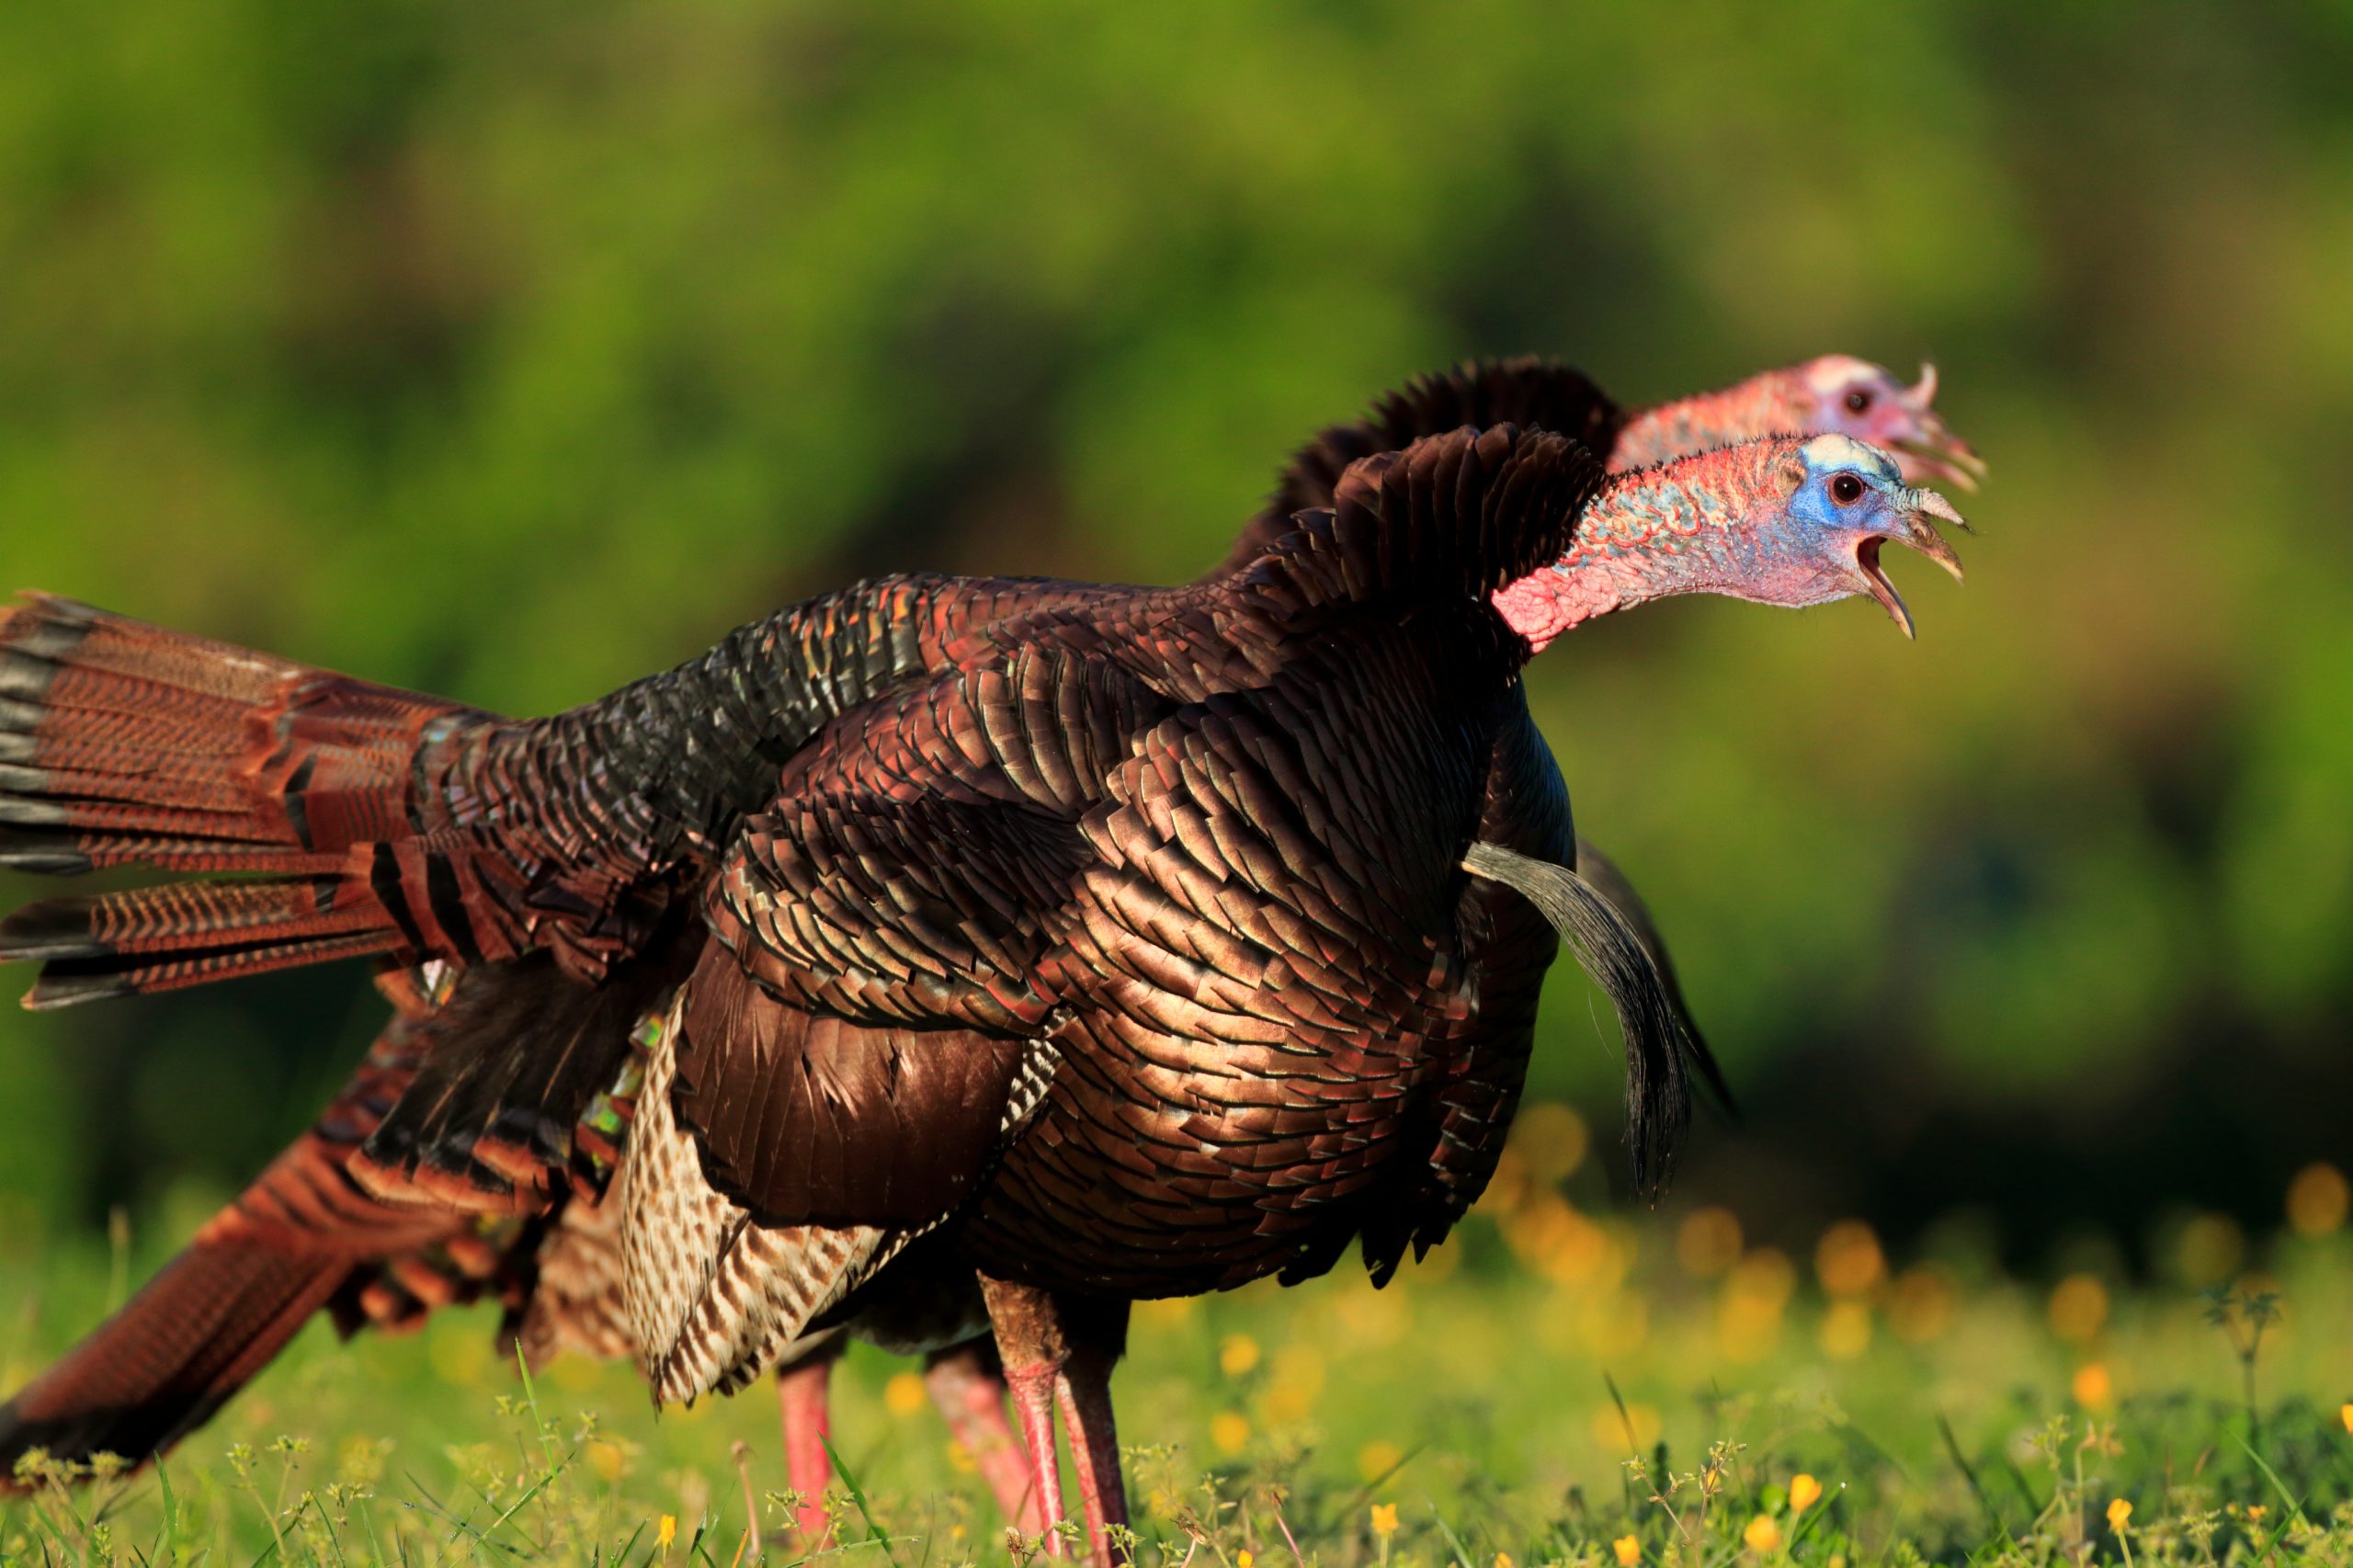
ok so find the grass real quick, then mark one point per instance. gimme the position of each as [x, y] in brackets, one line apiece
[1552, 1387]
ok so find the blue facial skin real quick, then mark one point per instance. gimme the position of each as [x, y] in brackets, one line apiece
[1851, 501]
[1874, 506]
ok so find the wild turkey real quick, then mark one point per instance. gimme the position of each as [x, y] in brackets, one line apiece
[556, 1271]
[495, 854]
[1831, 394]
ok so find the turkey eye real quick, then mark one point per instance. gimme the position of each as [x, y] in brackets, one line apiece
[1846, 489]
[1858, 401]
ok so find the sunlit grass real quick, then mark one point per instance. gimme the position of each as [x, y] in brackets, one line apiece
[1557, 1385]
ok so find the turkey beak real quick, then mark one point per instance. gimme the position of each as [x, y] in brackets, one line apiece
[1932, 451]
[1917, 512]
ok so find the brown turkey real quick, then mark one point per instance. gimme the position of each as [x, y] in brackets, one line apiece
[950, 860]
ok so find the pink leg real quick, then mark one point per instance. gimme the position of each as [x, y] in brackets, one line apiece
[971, 1396]
[1086, 1396]
[800, 1391]
[1033, 1400]
[1056, 1346]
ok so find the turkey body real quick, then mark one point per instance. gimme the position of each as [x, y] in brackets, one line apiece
[1284, 1020]
[1133, 953]
[1108, 942]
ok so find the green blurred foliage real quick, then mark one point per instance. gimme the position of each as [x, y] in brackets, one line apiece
[514, 351]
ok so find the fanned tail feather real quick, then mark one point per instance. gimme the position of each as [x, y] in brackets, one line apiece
[125, 743]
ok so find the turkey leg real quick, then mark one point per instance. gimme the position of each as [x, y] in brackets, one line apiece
[970, 1393]
[800, 1391]
[1060, 1349]
[1084, 1390]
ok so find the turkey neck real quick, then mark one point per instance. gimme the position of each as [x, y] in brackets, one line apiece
[1681, 528]
[1761, 406]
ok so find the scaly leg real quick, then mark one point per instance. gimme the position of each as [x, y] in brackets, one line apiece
[801, 1392]
[970, 1393]
[1060, 1346]
[1085, 1389]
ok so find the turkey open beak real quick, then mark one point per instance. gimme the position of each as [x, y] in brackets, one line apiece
[1918, 510]
[1934, 452]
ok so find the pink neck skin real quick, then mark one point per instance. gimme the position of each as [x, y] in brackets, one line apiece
[1774, 403]
[1688, 527]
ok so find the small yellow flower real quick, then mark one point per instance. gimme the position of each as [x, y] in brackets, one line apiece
[666, 1532]
[1502, 1559]
[1237, 1354]
[1762, 1534]
[1384, 1519]
[2345, 1413]
[1805, 1492]
[2254, 1512]
[2318, 1200]
[2092, 1386]
[903, 1395]
[1245, 1558]
[2119, 1513]
[1629, 1550]
[1229, 1429]
[2078, 1307]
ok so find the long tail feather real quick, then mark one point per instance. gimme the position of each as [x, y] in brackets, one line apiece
[159, 1367]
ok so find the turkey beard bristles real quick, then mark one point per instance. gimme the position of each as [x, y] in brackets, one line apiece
[1661, 1047]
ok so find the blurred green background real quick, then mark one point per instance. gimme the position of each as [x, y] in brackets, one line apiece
[514, 351]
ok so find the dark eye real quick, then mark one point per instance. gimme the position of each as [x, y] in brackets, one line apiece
[1846, 489]
[1858, 401]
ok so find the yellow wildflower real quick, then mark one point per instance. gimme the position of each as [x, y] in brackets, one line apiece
[903, 1395]
[1762, 1534]
[2093, 1388]
[1237, 1354]
[1502, 1559]
[1805, 1492]
[1707, 1243]
[1229, 1429]
[666, 1531]
[1629, 1550]
[2318, 1199]
[1384, 1519]
[1849, 1258]
[2078, 1307]
[2119, 1513]
[1245, 1558]
[1846, 1331]
[1634, 1428]
[2254, 1512]
[2345, 1413]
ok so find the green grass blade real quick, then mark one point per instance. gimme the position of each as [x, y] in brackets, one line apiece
[874, 1532]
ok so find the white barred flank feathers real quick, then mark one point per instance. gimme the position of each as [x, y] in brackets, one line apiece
[713, 1299]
